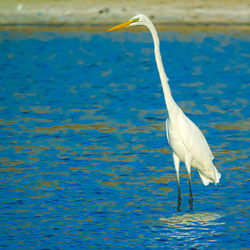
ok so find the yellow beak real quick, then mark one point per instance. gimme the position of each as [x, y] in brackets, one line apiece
[125, 24]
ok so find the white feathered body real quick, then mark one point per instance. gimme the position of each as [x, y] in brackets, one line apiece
[186, 139]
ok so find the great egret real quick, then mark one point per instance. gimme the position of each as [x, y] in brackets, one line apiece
[184, 137]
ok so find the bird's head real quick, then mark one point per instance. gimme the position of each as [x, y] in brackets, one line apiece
[134, 21]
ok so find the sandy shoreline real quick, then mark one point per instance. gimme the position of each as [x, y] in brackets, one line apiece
[108, 12]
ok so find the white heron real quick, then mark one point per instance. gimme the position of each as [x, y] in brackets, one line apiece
[184, 137]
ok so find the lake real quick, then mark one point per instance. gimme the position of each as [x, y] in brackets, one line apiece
[85, 162]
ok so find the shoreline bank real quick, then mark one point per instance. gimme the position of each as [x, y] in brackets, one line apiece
[108, 12]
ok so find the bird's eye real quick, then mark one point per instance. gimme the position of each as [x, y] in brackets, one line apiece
[135, 20]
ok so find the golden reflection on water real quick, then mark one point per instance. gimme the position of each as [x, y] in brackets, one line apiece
[10, 162]
[160, 150]
[102, 127]
[214, 108]
[9, 170]
[238, 125]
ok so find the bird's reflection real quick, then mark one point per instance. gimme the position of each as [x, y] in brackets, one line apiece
[189, 218]
[189, 230]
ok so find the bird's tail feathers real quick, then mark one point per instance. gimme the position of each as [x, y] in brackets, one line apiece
[217, 175]
[206, 180]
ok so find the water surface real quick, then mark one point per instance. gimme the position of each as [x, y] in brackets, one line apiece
[84, 158]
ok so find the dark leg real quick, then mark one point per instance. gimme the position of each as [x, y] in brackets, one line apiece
[190, 193]
[176, 164]
[179, 196]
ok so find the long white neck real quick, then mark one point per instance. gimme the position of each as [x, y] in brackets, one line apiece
[164, 79]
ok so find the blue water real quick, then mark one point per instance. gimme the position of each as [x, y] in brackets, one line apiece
[84, 158]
